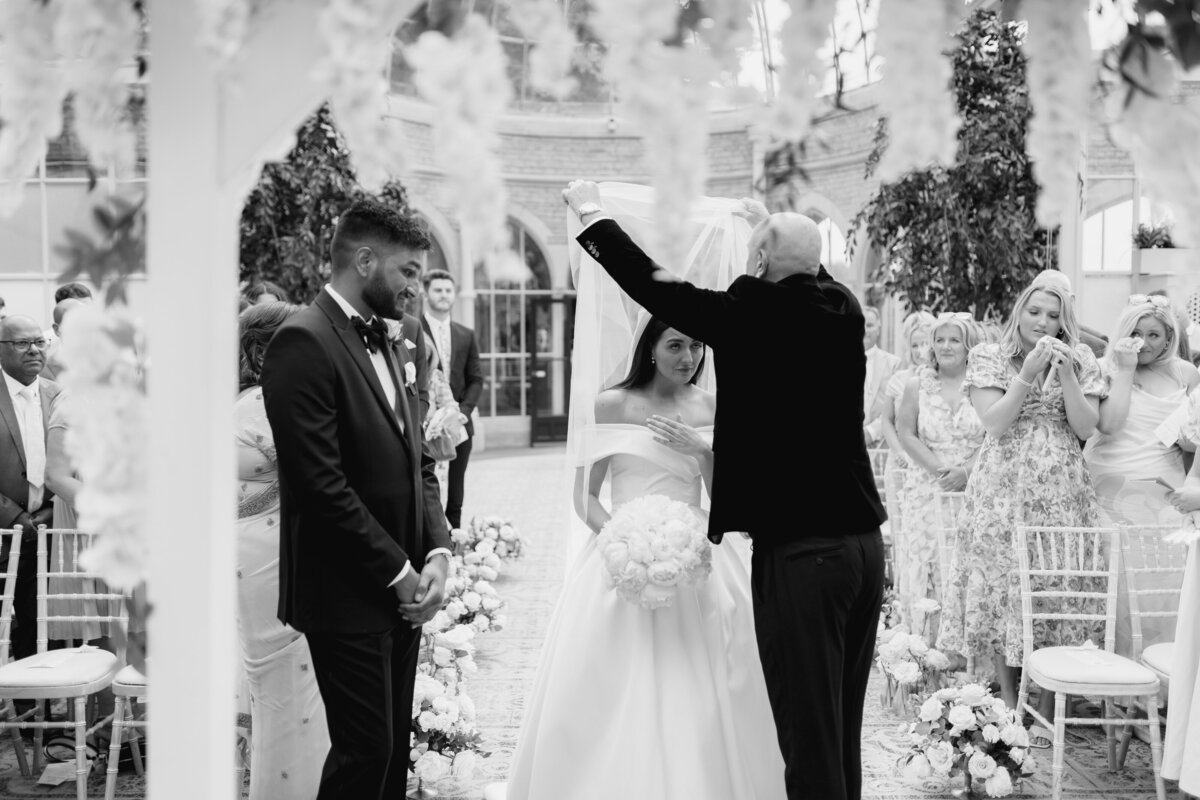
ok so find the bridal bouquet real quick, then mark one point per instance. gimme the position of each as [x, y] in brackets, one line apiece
[651, 546]
[965, 730]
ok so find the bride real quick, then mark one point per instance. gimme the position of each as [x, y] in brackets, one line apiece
[666, 703]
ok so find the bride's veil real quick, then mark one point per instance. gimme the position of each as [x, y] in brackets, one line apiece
[608, 323]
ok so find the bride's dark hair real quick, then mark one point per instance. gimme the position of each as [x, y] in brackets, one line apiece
[642, 370]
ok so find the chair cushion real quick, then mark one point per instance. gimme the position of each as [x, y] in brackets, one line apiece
[130, 676]
[1080, 670]
[1158, 657]
[75, 666]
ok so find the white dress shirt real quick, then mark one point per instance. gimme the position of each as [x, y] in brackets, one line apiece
[27, 402]
[389, 391]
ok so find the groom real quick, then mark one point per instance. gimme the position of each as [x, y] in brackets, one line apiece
[364, 544]
[787, 340]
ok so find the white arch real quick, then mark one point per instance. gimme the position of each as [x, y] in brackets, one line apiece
[441, 229]
[541, 234]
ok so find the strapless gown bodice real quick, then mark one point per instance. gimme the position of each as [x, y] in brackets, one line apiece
[640, 466]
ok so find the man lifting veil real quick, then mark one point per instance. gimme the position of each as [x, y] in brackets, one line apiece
[790, 469]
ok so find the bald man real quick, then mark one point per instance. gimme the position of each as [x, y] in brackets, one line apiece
[790, 468]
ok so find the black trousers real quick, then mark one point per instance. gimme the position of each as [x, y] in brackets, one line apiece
[366, 681]
[24, 634]
[454, 492]
[816, 608]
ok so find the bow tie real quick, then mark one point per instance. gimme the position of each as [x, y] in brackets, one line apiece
[373, 333]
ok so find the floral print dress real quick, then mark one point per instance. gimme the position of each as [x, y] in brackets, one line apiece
[1033, 474]
[953, 435]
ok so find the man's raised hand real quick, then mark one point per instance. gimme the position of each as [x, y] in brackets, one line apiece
[579, 192]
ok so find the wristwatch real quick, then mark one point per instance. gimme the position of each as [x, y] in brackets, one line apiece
[588, 208]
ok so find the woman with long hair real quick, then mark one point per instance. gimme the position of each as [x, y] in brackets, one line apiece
[289, 739]
[617, 681]
[941, 432]
[1037, 393]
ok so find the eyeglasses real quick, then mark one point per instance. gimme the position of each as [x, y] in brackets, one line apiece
[23, 345]
[1153, 299]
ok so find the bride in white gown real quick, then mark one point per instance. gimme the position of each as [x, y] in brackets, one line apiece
[628, 702]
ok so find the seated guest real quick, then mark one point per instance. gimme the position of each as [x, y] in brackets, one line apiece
[881, 365]
[941, 433]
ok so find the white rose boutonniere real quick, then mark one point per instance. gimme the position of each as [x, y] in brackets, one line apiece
[410, 375]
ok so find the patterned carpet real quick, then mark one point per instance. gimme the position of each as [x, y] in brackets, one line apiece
[526, 486]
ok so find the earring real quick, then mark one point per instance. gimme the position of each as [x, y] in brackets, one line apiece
[652, 361]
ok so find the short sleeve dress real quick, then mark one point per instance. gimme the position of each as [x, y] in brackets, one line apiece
[1032, 474]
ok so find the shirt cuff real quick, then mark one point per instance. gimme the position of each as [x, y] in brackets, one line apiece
[595, 218]
[438, 551]
[403, 574]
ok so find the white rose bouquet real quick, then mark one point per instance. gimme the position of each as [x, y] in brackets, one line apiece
[490, 535]
[470, 600]
[651, 546]
[965, 730]
[909, 665]
[444, 741]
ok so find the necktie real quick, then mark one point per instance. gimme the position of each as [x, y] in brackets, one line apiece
[34, 438]
[443, 345]
[373, 333]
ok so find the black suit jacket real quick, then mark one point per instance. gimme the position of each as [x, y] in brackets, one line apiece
[358, 498]
[789, 456]
[14, 485]
[464, 372]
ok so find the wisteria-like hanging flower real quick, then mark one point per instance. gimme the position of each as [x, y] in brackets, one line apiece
[802, 37]
[916, 95]
[554, 44]
[1060, 75]
[32, 90]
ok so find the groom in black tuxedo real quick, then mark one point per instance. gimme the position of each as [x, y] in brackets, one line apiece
[790, 468]
[363, 543]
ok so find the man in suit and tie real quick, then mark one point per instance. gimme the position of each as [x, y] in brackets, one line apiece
[24, 498]
[459, 357]
[364, 545]
[881, 365]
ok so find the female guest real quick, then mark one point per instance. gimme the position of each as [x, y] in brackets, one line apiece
[916, 352]
[290, 738]
[1030, 471]
[941, 433]
[1145, 388]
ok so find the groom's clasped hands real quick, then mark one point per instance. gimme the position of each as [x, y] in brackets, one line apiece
[421, 596]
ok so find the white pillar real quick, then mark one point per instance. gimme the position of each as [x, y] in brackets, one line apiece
[192, 253]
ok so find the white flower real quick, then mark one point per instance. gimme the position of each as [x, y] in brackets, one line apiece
[491, 603]
[991, 733]
[456, 609]
[481, 623]
[459, 536]
[488, 573]
[931, 710]
[499, 621]
[999, 784]
[941, 757]
[1017, 755]
[917, 645]
[466, 707]
[508, 533]
[472, 601]
[427, 720]
[936, 659]
[972, 694]
[665, 573]
[432, 767]
[981, 765]
[463, 766]
[486, 547]
[961, 717]
[654, 596]
[917, 768]
[926, 605]
[440, 622]
[905, 672]
[442, 657]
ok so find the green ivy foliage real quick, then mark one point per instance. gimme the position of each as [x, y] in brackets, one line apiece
[288, 219]
[964, 238]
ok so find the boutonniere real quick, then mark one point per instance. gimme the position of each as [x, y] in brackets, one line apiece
[394, 331]
[410, 376]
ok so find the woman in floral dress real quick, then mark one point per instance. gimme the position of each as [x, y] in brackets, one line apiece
[941, 432]
[1030, 471]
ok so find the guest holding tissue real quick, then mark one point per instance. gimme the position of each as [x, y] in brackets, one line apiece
[1037, 393]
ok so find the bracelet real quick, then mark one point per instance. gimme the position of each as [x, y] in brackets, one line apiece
[1019, 379]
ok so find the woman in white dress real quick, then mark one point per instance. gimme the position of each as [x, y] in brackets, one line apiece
[669, 703]
[1145, 388]
[289, 736]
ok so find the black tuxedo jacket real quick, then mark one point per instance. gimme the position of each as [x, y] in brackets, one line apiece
[789, 456]
[358, 498]
[463, 371]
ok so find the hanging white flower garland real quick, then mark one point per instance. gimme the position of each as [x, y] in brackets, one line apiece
[803, 34]
[1060, 74]
[553, 41]
[32, 90]
[354, 69]
[916, 93]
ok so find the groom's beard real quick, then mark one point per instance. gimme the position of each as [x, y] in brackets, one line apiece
[380, 298]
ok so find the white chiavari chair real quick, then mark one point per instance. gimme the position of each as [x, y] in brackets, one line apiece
[10, 556]
[1154, 570]
[1067, 575]
[68, 597]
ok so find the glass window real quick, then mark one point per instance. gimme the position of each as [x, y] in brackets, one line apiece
[1108, 230]
[21, 234]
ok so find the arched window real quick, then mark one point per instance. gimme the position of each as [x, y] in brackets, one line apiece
[1108, 235]
[504, 325]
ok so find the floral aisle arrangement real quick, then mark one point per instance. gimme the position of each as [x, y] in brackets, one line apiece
[445, 741]
[506, 540]
[470, 601]
[967, 731]
[911, 668]
[651, 546]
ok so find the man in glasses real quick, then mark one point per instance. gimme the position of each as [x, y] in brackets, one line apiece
[24, 498]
